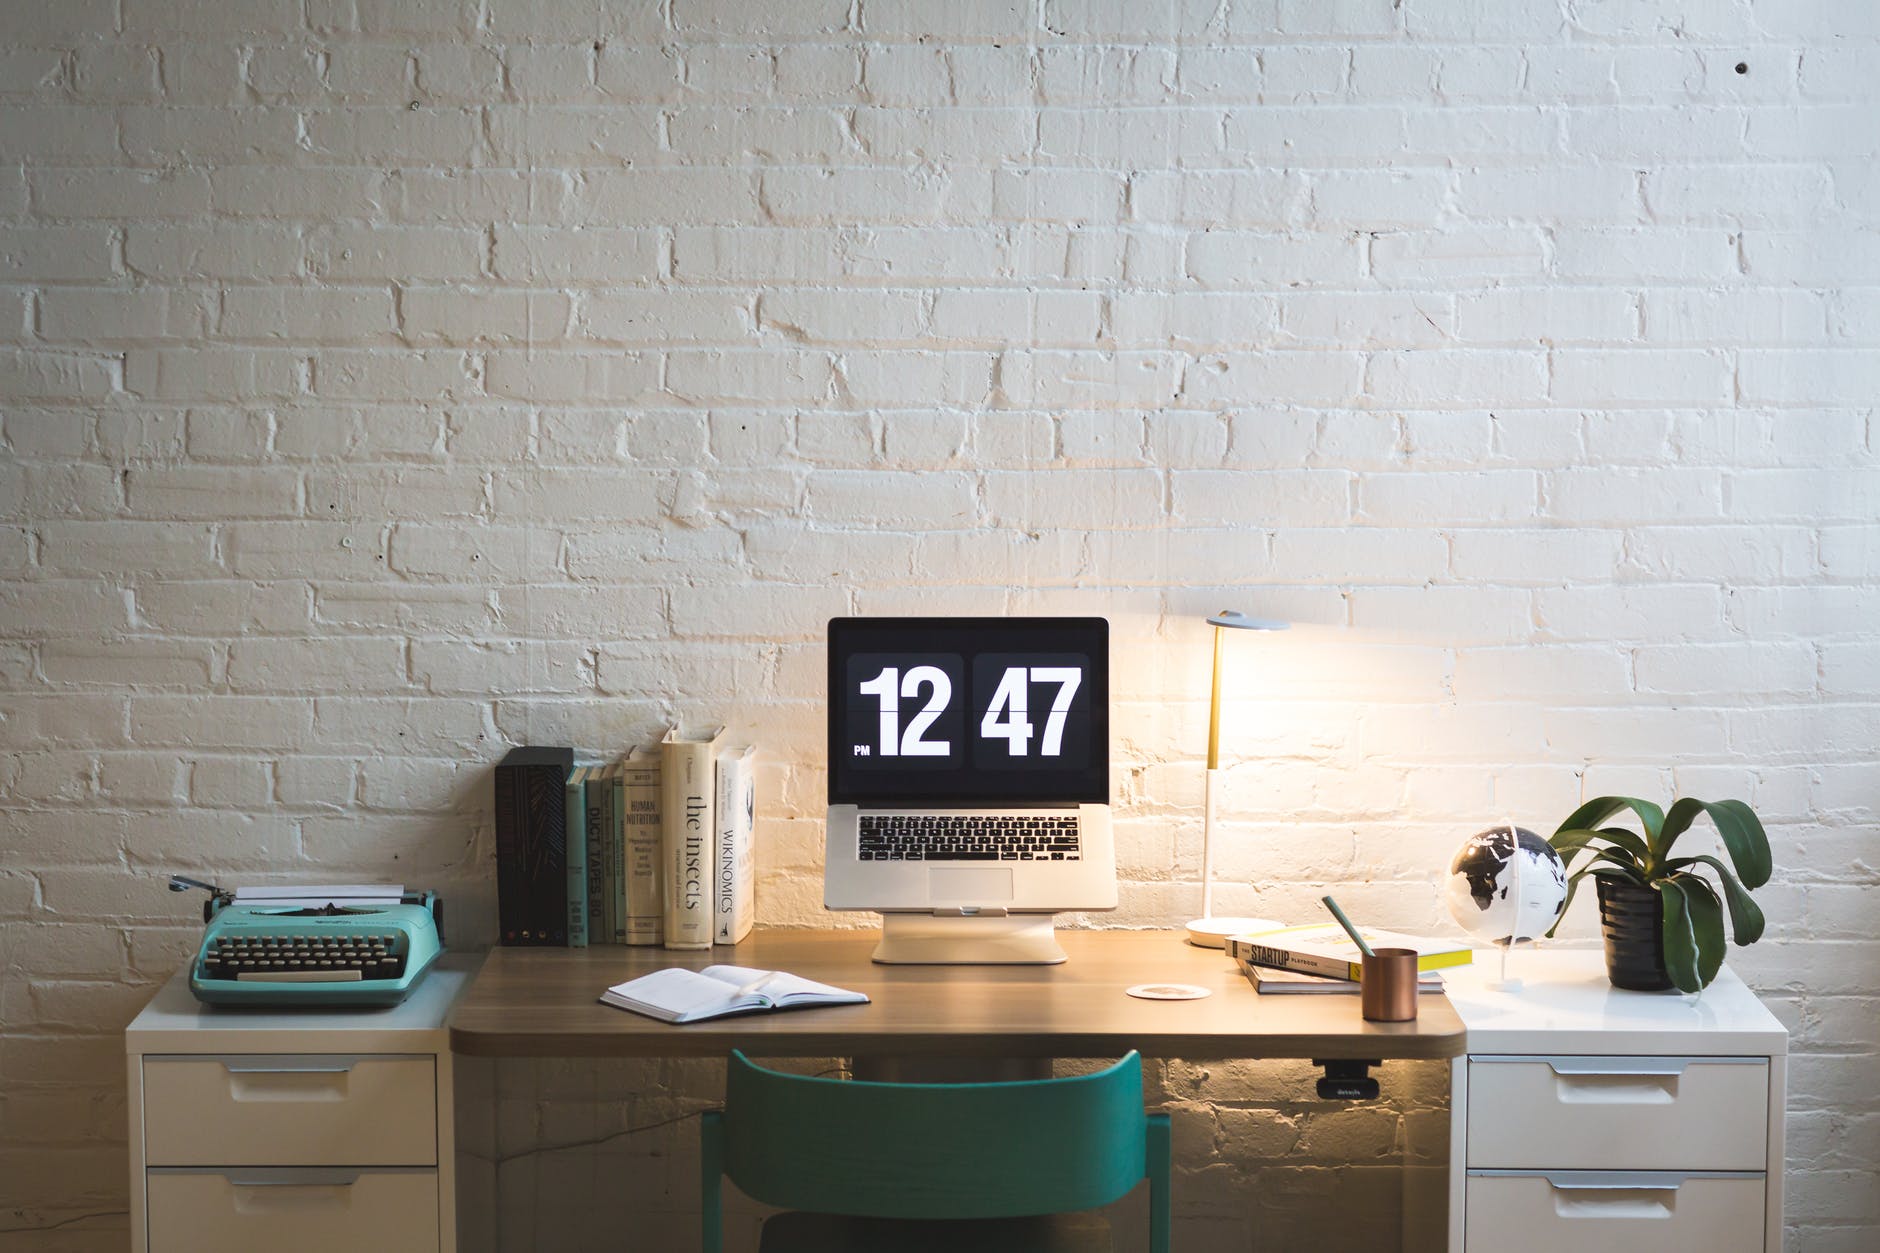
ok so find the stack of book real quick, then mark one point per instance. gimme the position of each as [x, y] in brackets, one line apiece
[652, 849]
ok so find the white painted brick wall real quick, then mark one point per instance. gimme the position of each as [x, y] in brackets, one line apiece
[383, 382]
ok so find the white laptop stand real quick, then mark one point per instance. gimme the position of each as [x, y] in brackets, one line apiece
[962, 939]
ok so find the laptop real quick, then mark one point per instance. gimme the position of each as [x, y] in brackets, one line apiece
[969, 771]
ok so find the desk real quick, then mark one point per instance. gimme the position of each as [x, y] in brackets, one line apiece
[542, 1003]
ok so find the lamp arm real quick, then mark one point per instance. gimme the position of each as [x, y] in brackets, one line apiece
[1214, 769]
[1214, 708]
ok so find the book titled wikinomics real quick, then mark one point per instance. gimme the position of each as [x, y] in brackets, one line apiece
[1324, 949]
[675, 995]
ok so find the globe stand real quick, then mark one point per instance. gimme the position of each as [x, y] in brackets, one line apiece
[1506, 886]
[1504, 983]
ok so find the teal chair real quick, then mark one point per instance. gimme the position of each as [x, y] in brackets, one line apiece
[897, 1168]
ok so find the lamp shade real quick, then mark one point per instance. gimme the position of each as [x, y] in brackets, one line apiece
[1235, 618]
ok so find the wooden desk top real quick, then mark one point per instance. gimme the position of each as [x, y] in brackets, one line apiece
[541, 1002]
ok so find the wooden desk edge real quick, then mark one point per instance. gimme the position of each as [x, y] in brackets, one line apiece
[703, 1042]
[538, 1003]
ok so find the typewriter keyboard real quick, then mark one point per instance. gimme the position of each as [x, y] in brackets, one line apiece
[305, 958]
[967, 837]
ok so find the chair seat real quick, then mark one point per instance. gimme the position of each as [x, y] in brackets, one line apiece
[803, 1232]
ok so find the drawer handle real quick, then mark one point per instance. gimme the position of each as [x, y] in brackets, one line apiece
[288, 1085]
[1655, 1183]
[1608, 1088]
[295, 1179]
[301, 1191]
[288, 1066]
[1612, 1066]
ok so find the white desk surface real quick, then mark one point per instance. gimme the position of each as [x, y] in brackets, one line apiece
[175, 1021]
[1565, 1004]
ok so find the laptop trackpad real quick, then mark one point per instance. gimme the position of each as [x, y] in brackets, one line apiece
[970, 885]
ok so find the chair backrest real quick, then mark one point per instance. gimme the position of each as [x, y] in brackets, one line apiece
[949, 1150]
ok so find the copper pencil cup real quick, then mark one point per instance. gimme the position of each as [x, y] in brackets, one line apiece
[1388, 991]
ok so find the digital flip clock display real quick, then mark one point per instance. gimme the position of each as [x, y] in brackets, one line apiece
[941, 711]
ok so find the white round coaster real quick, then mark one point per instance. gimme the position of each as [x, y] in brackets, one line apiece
[1168, 992]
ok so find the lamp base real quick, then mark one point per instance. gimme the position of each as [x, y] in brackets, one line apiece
[1213, 932]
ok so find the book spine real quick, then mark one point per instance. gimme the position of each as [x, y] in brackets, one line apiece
[645, 921]
[733, 892]
[617, 842]
[596, 892]
[577, 866]
[531, 854]
[594, 795]
[686, 809]
[604, 793]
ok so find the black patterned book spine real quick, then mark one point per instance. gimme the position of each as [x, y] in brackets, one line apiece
[532, 845]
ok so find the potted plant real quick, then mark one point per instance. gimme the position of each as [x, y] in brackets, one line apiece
[1661, 916]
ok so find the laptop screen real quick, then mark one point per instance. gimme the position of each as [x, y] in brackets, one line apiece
[969, 711]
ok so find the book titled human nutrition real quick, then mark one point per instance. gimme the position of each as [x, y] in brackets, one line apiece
[734, 897]
[642, 900]
[1272, 981]
[687, 795]
[681, 996]
[1324, 949]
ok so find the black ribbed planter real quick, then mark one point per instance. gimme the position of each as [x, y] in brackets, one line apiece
[1634, 928]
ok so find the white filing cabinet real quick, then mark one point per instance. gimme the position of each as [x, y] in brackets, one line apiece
[1587, 1117]
[293, 1130]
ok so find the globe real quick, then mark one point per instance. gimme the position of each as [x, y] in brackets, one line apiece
[1506, 885]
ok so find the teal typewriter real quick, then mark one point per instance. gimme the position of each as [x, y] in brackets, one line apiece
[279, 947]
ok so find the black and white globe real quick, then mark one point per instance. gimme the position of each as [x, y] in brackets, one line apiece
[1506, 885]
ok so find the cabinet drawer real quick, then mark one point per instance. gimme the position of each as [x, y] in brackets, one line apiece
[291, 1211]
[1572, 1211]
[290, 1111]
[1619, 1113]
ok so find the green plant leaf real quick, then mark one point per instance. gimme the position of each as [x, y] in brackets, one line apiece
[1737, 826]
[1600, 808]
[1628, 867]
[1706, 915]
[1570, 844]
[1680, 949]
[1746, 917]
[1598, 872]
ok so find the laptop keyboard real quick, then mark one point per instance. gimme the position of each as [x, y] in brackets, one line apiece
[967, 837]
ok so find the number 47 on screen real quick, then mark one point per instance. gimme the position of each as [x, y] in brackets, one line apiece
[1006, 717]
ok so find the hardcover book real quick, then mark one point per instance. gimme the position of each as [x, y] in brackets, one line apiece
[600, 916]
[532, 845]
[687, 796]
[643, 900]
[578, 843]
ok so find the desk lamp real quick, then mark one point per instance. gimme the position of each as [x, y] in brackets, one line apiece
[1208, 931]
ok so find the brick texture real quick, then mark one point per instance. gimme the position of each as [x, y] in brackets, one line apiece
[383, 382]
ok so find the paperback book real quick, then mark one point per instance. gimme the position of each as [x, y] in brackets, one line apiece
[733, 891]
[1324, 949]
[1271, 980]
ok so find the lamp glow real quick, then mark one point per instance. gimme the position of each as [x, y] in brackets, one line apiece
[1208, 931]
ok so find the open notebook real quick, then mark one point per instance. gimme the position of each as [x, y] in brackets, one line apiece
[676, 995]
